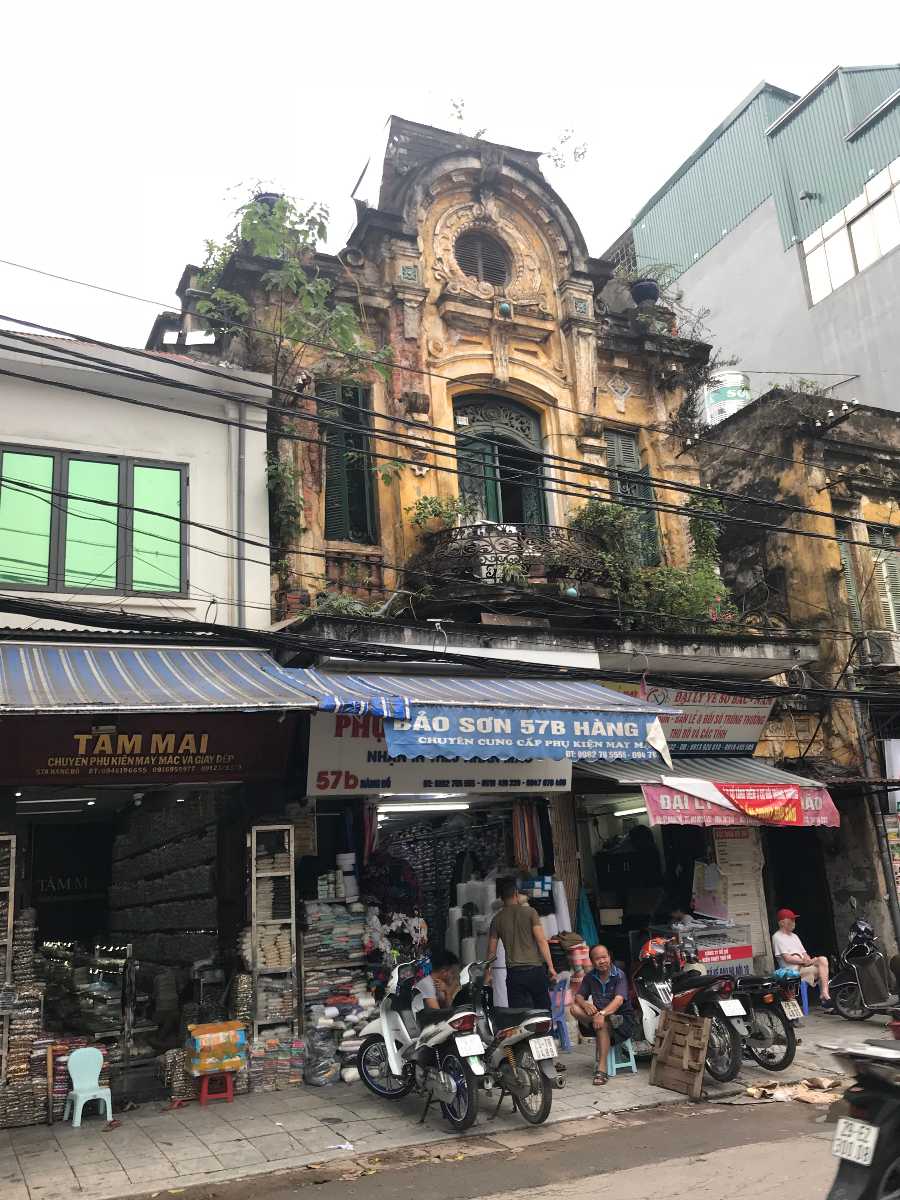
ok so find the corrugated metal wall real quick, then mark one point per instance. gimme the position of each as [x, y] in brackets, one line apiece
[744, 166]
[715, 193]
[810, 152]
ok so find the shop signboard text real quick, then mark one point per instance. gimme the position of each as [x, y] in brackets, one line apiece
[348, 755]
[708, 722]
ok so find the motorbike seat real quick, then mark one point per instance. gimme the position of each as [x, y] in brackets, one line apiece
[684, 983]
[433, 1016]
[506, 1017]
[756, 981]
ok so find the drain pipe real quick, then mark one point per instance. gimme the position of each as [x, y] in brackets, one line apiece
[241, 581]
[874, 805]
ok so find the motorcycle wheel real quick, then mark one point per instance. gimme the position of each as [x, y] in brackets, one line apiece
[723, 1053]
[889, 1183]
[375, 1070]
[848, 1003]
[535, 1107]
[462, 1112]
[772, 1042]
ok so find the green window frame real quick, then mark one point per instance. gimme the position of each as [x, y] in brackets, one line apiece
[75, 522]
[850, 583]
[887, 574]
[629, 479]
[350, 505]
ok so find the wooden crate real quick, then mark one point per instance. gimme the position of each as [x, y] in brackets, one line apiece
[679, 1053]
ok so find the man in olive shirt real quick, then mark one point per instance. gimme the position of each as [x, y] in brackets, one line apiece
[528, 961]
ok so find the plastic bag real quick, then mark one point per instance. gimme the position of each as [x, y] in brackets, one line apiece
[322, 1067]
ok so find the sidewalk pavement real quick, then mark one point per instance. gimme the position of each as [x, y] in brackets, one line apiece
[156, 1149]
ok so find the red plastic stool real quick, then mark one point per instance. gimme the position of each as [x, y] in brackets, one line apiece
[220, 1092]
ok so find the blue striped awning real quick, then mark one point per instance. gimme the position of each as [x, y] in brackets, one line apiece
[518, 719]
[65, 678]
[396, 695]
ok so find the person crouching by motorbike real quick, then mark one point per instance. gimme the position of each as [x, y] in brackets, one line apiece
[437, 989]
[790, 952]
[603, 1009]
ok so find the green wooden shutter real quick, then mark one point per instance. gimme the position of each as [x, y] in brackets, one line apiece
[886, 579]
[853, 604]
[478, 476]
[337, 501]
[631, 479]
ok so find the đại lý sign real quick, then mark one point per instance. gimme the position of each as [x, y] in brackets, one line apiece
[133, 748]
[708, 722]
[685, 801]
[348, 756]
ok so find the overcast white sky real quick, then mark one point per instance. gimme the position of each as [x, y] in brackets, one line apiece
[126, 124]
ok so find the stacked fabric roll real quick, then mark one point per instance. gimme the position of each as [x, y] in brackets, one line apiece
[333, 958]
[276, 860]
[241, 1008]
[274, 946]
[273, 898]
[23, 947]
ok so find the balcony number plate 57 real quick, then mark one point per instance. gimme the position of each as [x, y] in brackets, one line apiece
[542, 1047]
[855, 1141]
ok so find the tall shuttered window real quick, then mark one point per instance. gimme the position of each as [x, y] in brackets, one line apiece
[349, 465]
[886, 579]
[90, 523]
[623, 456]
[850, 582]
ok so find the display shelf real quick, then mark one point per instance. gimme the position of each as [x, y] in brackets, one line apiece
[272, 843]
[7, 861]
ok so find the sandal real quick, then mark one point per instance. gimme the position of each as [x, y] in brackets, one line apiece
[600, 1077]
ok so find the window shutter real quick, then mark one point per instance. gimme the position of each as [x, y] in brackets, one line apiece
[622, 450]
[478, 478]
[850, 581]
[337, 499]
[886, 579]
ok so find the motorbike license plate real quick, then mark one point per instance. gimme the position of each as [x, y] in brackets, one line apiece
[792, 1010]
[855, 1141]
[732, 1008]
[542, 1047]
[471, 1044]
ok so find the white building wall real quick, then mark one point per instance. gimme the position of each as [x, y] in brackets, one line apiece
[44, 415]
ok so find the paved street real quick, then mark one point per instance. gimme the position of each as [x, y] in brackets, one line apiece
[300, 1128]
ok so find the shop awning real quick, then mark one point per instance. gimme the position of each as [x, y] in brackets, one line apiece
[443, 716]
[722, 791]
[62, 678]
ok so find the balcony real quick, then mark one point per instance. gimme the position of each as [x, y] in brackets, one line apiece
[515, 554]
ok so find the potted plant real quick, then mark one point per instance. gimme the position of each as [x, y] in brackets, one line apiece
[647, 283]
[432, 513]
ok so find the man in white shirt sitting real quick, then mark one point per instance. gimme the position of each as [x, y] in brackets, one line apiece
[790, 952]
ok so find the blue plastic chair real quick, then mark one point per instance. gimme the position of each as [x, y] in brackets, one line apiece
[804, 995]
[85, 1065]
[614, 1063]
[558, 1012]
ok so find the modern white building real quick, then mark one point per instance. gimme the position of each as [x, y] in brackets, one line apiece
[122, 487]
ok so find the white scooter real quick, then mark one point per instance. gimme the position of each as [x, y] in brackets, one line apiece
[437, 1053]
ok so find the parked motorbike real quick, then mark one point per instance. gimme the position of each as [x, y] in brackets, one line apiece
[520, 1056]
[771, 1004]
[867, 1142]
[862, 986]
[438, 1052]
[661, 981]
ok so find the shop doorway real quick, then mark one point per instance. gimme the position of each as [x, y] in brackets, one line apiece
[795, 878]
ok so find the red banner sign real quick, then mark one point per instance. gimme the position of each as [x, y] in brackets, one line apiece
[741, 804]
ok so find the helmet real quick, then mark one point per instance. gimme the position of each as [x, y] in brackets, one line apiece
[861, 930]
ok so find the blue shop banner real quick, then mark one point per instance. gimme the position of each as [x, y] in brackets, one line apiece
[453, 731]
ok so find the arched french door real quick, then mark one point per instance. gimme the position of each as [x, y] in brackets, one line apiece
[498, 446]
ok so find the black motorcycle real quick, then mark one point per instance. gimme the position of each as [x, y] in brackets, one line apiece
[862, 986]
[771, 1004]
[867, 1142]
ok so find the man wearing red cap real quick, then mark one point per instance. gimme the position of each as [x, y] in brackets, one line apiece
[790, 952]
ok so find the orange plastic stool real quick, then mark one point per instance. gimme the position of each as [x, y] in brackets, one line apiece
[220, 1092]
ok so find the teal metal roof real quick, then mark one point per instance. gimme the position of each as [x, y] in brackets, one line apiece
[825, 145]
[722, 182]
[828, 142]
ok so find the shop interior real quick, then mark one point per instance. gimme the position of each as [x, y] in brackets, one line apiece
[639, 874]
